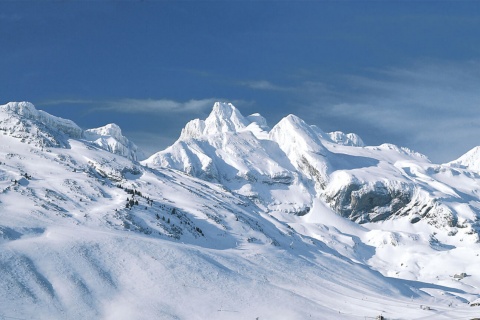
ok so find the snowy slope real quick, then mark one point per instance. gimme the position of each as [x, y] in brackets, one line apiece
[86, 233]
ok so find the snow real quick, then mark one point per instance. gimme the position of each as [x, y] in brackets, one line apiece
[110, 137]
[263, 241]
[349, 139]
[470, 160]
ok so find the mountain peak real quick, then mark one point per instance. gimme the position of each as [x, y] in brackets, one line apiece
[224, 118]
[223, 108]
[293, 133]
[23, 108]
[470, 160]
[110, 137]
[110, 129]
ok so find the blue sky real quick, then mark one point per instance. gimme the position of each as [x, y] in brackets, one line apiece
[407, 73]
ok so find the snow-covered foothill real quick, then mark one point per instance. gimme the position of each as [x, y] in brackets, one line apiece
[110, 137]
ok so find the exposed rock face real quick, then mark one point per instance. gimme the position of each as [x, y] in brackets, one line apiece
[364, 202]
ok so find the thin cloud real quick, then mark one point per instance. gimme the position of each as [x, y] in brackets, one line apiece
[158, 106]
[263, 85]
[127, 105]
[434, 107]
[305, 87]
[62, 102]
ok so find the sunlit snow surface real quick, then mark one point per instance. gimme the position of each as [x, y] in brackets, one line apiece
[191, 249]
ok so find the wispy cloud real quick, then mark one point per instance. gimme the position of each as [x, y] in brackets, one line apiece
[150, 106]
[263, 85]
[301, 88]
[60, 102]
[434, 106]
[157, 106]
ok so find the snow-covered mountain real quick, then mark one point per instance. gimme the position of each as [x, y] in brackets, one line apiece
[22, 120]
[290, 166]
[88, 232]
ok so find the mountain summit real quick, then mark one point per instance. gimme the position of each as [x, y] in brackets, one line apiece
[470, 160]
[223, 118]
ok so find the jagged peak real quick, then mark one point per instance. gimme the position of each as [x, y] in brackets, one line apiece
[224, 118]
[224, 109]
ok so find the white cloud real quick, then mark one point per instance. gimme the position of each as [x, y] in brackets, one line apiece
[308, 88]
[157, 106]
[127, 105]
[434, 106]
[61, 102]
